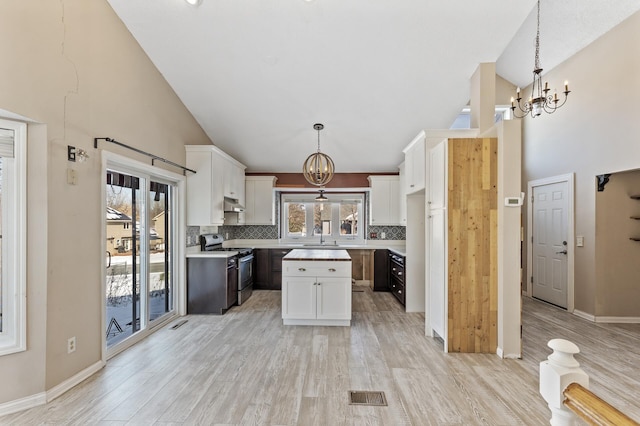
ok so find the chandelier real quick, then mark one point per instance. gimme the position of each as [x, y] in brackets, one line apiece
[318, 167]
[540, 99]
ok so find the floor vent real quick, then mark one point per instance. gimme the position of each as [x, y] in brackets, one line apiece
[367, 398]
[179, 324]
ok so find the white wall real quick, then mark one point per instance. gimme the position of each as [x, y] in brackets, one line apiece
[72, 66]
[597, 131]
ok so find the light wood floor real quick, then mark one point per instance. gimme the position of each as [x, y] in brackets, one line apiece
[246, 368]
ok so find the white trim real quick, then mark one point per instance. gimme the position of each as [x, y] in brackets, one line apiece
[570, 179]
[13, 337]
[420, 137]
[618, 320]
[584, 315]
[125, 164]
[42, 398]
[23, 403]
[606, 319]
[74, 380]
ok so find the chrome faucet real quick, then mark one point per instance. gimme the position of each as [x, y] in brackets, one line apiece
[321, 240]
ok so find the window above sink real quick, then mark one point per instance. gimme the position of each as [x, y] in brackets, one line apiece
[334, 222]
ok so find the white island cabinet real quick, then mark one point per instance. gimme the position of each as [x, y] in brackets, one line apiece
[316, 288]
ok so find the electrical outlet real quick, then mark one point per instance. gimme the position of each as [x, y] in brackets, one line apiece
[71, 344]
[226, 236]
[383, 235]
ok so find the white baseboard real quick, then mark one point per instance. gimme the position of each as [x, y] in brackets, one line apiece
[501, 354]
[619, 320]
[44, 397]
[23, 403]
[607, 320]
[584, 315]
[58, 390]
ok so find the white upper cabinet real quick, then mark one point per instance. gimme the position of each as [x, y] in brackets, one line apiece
[415, 162]
[206, 187]
[385, 200]
[402, 187]
[437, 176]
[234, 180]
[260, 200]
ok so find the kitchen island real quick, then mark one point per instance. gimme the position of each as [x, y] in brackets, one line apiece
[316, 287]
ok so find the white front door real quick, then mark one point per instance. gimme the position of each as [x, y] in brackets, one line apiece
[550, 209]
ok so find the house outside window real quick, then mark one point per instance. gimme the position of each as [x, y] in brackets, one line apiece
[338, 219]
[12, 236]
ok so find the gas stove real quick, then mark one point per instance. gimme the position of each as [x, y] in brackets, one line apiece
[213, 242]
[243, 263]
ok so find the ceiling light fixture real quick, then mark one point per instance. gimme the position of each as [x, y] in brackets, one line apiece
[321, 197]
[540, 99]
[194, 2]
[318, 167]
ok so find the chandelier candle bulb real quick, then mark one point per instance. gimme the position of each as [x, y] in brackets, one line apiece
[566, 86]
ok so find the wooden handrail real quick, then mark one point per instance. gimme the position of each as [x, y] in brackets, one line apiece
[592, 409]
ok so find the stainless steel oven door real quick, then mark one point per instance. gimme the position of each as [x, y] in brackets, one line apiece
[245, 278]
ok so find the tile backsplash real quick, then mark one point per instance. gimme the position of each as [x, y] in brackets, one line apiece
[192, 235]
[270, 232]
[250, 232]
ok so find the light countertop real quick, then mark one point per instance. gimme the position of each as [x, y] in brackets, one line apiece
[318, 255]
[396, 246]
[195, 251]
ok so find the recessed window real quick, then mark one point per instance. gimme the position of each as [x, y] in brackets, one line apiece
[337, 219]
[12, 236]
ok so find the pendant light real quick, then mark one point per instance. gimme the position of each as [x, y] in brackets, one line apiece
[540, 99]
[318, 168]
[321, 197]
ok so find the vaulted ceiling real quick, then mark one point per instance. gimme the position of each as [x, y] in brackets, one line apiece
[257, 74]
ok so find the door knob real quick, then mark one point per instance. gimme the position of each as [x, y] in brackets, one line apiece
[561, 252]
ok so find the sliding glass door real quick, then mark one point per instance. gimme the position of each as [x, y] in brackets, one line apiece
[139, 249]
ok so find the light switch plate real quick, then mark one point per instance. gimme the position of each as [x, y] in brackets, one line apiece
[72, 177]
[580, 241]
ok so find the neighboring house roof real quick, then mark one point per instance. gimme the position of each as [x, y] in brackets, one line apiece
[158, 215]
[113, 214]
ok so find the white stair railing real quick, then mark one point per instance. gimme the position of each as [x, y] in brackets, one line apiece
[565, 387]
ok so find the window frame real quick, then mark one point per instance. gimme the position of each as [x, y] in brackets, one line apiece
[335, 199]
[13, 337]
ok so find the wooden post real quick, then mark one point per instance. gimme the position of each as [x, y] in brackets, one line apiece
[556, 373]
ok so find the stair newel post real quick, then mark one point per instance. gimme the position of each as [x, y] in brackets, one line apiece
[557, 372]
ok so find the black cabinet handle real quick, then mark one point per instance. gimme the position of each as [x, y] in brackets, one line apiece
[301, 269]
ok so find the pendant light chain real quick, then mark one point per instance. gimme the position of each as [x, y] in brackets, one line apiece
[537, 59]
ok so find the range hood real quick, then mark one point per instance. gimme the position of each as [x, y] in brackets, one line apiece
[232, 205]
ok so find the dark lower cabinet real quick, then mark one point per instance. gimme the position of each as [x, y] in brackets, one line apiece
[381, 270]
[212, 287]
[262, 269]
[268, 268]
[396, 276]
[276, 267]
